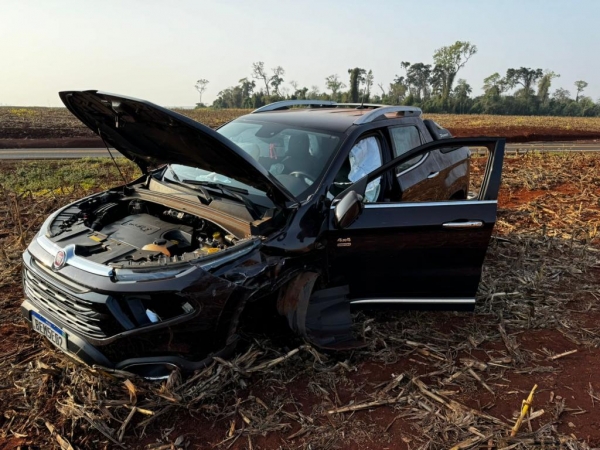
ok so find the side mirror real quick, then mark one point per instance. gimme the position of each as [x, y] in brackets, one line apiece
[348, 209]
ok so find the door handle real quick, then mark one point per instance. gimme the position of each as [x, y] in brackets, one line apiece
[433, 174]
[468, 224]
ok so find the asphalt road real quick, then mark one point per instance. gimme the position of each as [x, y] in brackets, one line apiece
[65, 153]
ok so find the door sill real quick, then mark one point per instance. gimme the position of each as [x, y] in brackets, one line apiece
[447, 304]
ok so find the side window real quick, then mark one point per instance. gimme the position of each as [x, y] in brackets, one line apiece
[405, 138]
[363, 158]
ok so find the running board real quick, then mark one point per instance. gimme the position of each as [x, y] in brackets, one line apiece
[448, 304]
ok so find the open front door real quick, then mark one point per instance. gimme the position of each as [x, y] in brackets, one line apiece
[425, 254]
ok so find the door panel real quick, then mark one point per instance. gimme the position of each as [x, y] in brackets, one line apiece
[430, 251]
[405, 249]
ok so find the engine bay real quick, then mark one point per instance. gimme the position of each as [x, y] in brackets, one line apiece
[123, 232]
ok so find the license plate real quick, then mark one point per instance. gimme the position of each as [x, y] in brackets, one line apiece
[46, 328]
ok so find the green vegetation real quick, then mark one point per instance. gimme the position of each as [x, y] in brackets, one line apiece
[42, 177]
[433, 87]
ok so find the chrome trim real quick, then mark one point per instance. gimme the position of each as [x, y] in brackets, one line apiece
[72, 259]
[362, 105]
[427, 301]
[287, 103]
[420, 204]
[59, 278]
[433, 175]
[414, 166]
[469, 224]
[423, 157]
[378, 112]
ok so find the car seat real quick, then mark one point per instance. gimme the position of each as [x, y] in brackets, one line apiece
[298, 157]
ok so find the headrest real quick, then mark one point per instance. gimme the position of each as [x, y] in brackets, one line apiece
[299, 146]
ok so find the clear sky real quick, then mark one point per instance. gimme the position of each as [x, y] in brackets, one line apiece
[157, 49]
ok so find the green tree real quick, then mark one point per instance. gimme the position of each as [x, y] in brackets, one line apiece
[418, 77]
[201, 88]
[334, 84]
[357, 76]
[259, 73]
[525, 77]
[437, 82]
[229, 98]
[368, 82]
[301, 93]
[580, 85]
[588, 108]
[561, 95]
[448, 61]
[397, 91]
[276, 79]
[314, 92]
[544, 85]
[494, 85]
[247, 88]
[491, 102]
[461, 95]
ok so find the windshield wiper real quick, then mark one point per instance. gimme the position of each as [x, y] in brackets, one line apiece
[205, 195]
[173, 174]
[215, 185]
[230, 191]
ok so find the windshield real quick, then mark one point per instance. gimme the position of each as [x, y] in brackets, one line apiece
[296, 157]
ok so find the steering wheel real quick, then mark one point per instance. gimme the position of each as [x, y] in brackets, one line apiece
[303, 175]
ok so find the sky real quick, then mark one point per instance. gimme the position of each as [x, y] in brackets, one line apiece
[156, 50]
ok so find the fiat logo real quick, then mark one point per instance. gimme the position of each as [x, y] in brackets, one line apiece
[59, 260]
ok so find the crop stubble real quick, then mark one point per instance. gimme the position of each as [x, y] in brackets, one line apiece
[22, 127]
[428, 380]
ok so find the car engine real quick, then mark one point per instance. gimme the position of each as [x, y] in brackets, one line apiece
[123, 232]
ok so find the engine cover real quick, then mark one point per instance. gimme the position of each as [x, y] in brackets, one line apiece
[124, 238]
[140, 229]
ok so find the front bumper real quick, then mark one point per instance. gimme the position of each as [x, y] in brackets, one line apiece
[111, 329]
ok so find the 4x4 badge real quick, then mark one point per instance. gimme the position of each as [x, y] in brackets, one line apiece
[344, 242]
[59, 260]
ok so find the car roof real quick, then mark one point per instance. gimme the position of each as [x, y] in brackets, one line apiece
[325, 119]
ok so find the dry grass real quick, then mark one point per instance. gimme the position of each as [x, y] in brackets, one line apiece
[450, 379]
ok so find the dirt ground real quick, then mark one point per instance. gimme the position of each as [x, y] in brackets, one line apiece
[428, 380]
[57, 128]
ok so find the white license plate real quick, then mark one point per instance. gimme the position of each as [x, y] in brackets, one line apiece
[46, 328]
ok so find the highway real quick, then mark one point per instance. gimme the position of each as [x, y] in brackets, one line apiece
[71, 153]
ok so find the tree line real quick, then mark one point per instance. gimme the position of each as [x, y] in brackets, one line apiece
[434, 87]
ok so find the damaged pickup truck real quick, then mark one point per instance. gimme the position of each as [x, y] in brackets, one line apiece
[320, 209]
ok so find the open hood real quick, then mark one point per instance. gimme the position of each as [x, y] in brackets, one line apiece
[151, 135]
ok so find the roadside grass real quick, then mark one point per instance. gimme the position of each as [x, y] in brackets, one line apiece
[57, 176]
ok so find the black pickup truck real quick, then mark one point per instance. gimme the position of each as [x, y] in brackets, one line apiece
[319, 209]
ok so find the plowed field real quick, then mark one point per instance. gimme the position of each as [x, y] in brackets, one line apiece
[56, 127]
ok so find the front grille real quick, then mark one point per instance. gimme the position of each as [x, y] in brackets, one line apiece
[88, 318]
